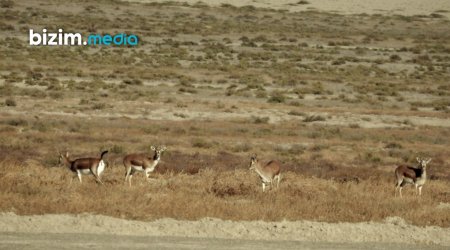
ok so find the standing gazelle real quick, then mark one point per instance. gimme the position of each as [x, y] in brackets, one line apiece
[411, 175]
[268, 172]
[80, 166]
[141, 163]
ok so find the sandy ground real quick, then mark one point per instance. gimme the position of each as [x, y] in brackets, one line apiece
[384, 7]
[394, 233]
[276, 116]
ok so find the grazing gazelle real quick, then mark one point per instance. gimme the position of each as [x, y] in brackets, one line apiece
[411, 175]
[141, 163]
[94, 166]
[268, 172]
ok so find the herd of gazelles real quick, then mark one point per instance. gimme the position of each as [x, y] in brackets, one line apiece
[269, 173]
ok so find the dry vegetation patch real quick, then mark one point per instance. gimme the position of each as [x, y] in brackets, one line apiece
[231, 194]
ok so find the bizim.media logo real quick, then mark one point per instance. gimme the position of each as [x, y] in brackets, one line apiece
[76, 39]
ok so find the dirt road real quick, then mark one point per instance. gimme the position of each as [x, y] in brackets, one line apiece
[99, 241]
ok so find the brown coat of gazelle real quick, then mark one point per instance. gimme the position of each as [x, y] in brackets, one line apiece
[142, 163]
[85, 166]
[268, 173]
[411, 175]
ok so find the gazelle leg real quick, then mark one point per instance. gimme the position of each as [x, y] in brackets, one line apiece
[94, 173]
[79, 176]
[97, 178]
[127, 174]
[398, 187]
[71, 179]
[278, 180]
[147, 175]
[264, 186]
[420, 191]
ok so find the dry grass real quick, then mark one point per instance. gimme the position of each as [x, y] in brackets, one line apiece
[232, 194]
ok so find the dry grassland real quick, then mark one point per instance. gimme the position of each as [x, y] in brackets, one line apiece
[339, 100]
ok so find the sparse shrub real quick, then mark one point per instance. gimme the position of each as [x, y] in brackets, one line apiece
[201, 143]
[181, 105]
[369, 156]
[393, 145]
[181, 115]
[260, 120]
[295, 104]
[297, 149]
[51, 161]
[117, 149]
[222, 190]
[395, 58]
[10, 102]
[41, 126]
[56, 95]
[314, 118]
[187, 90]
[132, 82]
[99, 106]
[6, 4]
[261, 94]
[277, 97]
[241, 147]
[318, 147]
[436, 15]
[296, 113]
[17, 122]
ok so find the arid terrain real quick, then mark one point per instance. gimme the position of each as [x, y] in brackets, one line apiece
[339, 96]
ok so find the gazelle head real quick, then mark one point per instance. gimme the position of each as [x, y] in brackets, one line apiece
[63, 158]
[253, 162]
[158, 151]
[423, 163]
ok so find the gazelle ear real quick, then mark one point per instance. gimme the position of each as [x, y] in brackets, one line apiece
[163, 148]
[67, 154]
[428, 161]
[418, 159]
[152, 147]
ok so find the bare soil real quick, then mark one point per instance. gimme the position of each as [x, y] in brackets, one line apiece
[102, 232]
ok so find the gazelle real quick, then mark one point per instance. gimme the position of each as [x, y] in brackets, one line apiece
[268, 172]
[142, 163]
[411, 175]
[85, 166]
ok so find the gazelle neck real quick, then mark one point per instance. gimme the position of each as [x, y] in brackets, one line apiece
[67, 160]
[259, 170]
[424, 173]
